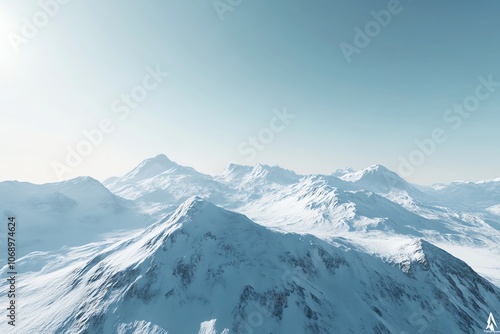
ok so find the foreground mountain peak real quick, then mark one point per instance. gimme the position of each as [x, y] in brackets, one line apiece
[192, 205]
[197, 216]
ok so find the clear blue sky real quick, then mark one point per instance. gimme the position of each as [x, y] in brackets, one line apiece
[227, 76]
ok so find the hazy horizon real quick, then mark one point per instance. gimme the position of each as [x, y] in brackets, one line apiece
[309, 87]
[305, 173]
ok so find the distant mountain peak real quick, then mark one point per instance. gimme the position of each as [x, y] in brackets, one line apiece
[273, 174]
[341, 172]
[150, 168]
[233, 172]
[376, 175]
[160, 159]
[378, 168]
[350, 174]
[233, 167]
[383, 181]
[258, 173]
[489, 181]
[83, 180]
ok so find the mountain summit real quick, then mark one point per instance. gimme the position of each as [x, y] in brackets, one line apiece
[149, 168]
[378, 178]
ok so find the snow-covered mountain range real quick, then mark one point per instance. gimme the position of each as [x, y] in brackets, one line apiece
[365, 205]
[254, 249]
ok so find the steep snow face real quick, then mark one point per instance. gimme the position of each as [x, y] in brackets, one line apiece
[208, 270]
[67, 213]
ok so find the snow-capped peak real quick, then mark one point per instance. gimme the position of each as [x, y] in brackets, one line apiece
[341, 172]
[150, 168]
[367, 172]
[497, 180]
[192, 206]
[379, 179]
[274, 174]
[233, 172]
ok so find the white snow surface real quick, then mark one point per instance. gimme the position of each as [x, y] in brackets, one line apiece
[350, 252]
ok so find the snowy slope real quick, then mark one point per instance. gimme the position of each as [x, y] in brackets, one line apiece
[207, 270]
[319, 203]
[69, 213]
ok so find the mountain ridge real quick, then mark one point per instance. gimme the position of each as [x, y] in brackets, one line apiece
[218, 267]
